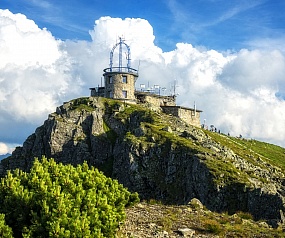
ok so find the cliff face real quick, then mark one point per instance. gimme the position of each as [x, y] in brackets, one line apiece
[157, 155]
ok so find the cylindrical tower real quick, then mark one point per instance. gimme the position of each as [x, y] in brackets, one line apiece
[120, 80]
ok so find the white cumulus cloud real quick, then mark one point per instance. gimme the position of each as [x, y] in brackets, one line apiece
[4, 149]
[36, 75]
[239, 92]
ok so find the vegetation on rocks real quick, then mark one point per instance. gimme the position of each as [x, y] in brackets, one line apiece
[251, 149]
[158, 128]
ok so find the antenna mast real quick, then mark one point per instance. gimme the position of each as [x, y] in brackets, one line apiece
[120, 44]
[174, 88]
[120, 54]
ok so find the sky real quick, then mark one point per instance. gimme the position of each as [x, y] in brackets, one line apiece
[227, 57]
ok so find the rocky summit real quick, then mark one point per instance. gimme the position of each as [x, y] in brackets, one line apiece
[159, 156]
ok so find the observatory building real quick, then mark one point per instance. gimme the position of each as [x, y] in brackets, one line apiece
[120, 80]
[120, 83]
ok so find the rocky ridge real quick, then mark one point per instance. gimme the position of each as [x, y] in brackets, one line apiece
[157, 155]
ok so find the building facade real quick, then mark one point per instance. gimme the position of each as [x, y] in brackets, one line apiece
[120, 85]
[188, 115]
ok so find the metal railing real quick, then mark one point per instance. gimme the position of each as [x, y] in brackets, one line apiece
[121, 69]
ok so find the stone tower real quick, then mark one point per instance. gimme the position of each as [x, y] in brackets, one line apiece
[120, 80]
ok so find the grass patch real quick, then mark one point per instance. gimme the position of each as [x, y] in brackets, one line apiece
[166, 223]
[81, 104]
[252, 150]
[111, 134]
[225, 173]
[245, 215]
[274, 153]
[153, 202]
[213, 226]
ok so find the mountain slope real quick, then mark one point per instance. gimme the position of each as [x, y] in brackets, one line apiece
[161, 157]
[4, 156]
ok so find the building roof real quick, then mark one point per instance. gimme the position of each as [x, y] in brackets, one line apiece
[143, 93]
[185, 108]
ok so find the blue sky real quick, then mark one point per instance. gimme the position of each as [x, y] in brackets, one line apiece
[214, 24]
[226, 55]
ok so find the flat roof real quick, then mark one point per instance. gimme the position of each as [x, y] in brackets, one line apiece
[152, 94]
[185, 108]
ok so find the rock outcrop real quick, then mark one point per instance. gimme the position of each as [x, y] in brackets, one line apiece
[157, 155]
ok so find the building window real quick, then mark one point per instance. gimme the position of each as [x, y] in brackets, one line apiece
[124, 79]
[125, 95]
[111, 95]
[110, 79]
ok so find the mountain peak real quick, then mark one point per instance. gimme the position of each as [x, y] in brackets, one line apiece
[160, 156]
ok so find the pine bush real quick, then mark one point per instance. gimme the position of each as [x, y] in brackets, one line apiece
[56, 200]
[5, 230]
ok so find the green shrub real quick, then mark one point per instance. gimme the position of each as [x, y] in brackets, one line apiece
[245, 215]
[153, 201]
[5, 230]
[213, 226]
[56, 200]
[166, 223]
[224, 219]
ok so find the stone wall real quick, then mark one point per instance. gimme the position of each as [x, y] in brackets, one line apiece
[154, 99]
[97, 92]
[119, 85]
[189, 115]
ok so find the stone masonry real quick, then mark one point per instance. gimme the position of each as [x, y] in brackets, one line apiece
[189, 115]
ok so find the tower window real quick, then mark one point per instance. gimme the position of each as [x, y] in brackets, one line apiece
[125, 94]
[110, 79]
[111, 95]
[124, 79]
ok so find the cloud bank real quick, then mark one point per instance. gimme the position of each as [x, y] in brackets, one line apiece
[36, 75]
[239, 92]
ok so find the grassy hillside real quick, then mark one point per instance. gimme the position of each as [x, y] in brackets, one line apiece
[252, 149]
